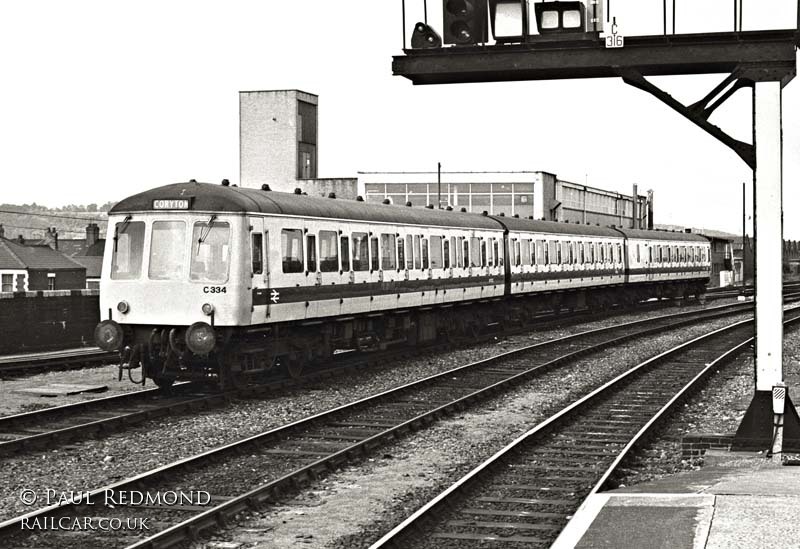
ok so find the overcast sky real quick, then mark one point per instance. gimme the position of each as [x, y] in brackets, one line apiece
[104, 99]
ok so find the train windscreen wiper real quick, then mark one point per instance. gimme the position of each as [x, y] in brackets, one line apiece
[118, 230]
[206, 231]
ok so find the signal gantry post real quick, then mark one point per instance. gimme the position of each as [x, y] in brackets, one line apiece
[569, 45]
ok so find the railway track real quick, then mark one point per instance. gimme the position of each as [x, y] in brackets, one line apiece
[283, 458]
[51, 426]
[14, 365]
[529, 491]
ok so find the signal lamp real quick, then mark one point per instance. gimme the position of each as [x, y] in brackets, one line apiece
[464, 21]
[108, 335]
[200, 338]
[425, 37]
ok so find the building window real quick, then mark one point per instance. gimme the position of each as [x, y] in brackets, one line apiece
[51, 281]
[8, 283]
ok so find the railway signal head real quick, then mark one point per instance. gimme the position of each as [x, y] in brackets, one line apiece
[425, 37]
[464, 21]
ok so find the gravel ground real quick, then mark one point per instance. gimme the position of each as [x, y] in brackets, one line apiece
[12, 402]
[89, 464]
[353, 507]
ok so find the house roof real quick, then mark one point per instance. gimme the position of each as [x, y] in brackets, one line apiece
[74, 247]
[20, 256]
[93, 264]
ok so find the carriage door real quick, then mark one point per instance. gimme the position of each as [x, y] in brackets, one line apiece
[259, 265]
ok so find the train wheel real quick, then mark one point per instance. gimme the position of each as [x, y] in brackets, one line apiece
[294, 365]
[163, 382]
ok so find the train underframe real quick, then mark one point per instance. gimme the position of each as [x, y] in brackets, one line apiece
[247, 355]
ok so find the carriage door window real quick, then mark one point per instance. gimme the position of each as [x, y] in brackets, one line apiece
[126, 263]
[210, 251]
[373, 245]
[401, 252]
[446, 244]
[360, 252]
[311, 253]
[328, 254]
[344, 244]
[417, 256]
[292, 249]
[409, 252]
[424, 253]
[256, 253]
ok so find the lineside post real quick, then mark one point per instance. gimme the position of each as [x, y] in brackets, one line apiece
[756, 429]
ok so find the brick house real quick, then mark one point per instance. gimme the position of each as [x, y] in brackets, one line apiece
[38, 267]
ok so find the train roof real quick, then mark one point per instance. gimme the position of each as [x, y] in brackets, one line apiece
[207, 197]
[553, 227]
[663, 235]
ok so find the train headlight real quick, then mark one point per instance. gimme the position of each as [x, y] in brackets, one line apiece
[200, 338]
[108, 335]
[123, 307]
[208, 309]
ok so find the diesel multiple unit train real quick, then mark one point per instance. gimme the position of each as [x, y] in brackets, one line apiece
[224, 283]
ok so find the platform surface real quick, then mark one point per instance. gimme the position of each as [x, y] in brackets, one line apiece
[738, 500]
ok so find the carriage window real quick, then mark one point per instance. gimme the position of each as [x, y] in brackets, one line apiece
[311, 253]
[650, 255]
[417, 252]
[256, 253]
[638, 253]
[410, 252]
[515, 252]
[546, 247]
[619, 253]
[474, 252]
[292, 247]
[582, 249]
[483, 253]
[454, 247]
[602, 253]
[388, 249]
[446, 244]
[210, 252]
[328, 253]
[437, 262]
[373, 246]
[591, 252]
[126, 263]
[360, 252]
[525, 253]
[541, 252]
[344, 246]
[570, 253]
[401, 252]
[498, 255]
[489, 257]
[463, 252]
[424, 253]
[559, 252]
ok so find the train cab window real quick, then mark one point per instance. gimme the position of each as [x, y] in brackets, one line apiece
[257, 253]
[446, 253]
[437, 261]
[417, 252]
[344, 248]
[311, 253]
[373, 253]
[126, 263]
[168, 250]
[388, 259]
[328, 252]
[360, 252]
[210, 251]
[292, 248]
[409, 252]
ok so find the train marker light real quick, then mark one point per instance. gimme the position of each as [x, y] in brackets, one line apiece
[200, 338]
[108, 335]
[552, 17]
[208, 309]
[425, 37]
[123, 307]
[464, 21]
